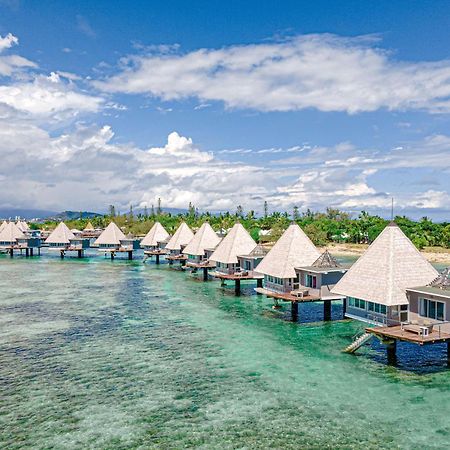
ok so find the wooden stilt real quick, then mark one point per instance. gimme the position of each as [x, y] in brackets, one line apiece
[112, 256]
[27, 252]
[61, 254]
[11, 252]
[205, 274]
[157, 259]
[327, 310]
[294, 311]
[391, 349]
[80, 253]
[237, 287]
[448, 353]
[344, 307]
[31, 252]
[130, 255]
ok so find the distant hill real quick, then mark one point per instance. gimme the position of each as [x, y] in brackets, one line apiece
[73, 215]
[7, 213]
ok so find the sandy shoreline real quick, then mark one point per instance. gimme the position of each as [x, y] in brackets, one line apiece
[434, 255]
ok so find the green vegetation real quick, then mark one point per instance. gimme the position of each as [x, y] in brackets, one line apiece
[330, 226]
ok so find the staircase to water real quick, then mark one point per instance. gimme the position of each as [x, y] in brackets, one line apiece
[357, 343]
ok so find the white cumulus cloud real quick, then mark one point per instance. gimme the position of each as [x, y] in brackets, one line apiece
[326, 72]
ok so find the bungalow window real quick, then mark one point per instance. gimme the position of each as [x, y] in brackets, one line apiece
[376, 307]
[311, 281]
[431, 309]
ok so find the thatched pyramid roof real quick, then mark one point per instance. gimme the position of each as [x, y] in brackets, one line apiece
[156, 234]
[111, 235]
[293, 249]
[181, 237]
[442, 281]
[389, 266]
[89, 227]
[236, 242]
[60, 235]
[203, 239]
[326, 260]
[11, 233]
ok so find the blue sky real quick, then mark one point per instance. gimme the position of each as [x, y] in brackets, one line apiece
[313, 104]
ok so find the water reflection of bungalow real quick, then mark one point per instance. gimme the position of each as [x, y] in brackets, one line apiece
[155, 241]
[64, 240]
[237, 242]
[200, 248]
[295, 271]
[178, 242]
[378, 289]
[12, 238]
[112, 241]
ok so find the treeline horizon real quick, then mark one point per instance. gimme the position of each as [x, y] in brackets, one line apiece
[331, 226]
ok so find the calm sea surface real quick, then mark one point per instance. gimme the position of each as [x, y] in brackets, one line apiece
[101, 354]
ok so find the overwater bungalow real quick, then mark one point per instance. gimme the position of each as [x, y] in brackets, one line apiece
[112, 241]
[22, 226]
[155, 241]
[12, 238]
[178, 242]
[237, 242]
[293, 273]
[200, 248]
[378, 288]
[90, 232]
[250, 262]
[64, 240]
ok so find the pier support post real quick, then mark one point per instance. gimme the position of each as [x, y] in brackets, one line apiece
[237, 287]
[448, 353]
[157, 259]
[11, 252]
[259, 282]
[31, 252]
[130, 255]
[61, 254]
[205, 274]
[391, 349]
[344, 307]
[327, 310]
[112, 256]
[294, 311]
[80, 253]
[27, 252]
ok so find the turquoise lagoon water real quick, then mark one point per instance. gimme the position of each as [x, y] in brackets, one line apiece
[102, 354]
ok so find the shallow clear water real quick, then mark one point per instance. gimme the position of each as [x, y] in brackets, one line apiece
[101, 354]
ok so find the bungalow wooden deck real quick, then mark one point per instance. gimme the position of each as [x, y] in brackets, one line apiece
[294, 300]
[399, 333]
[237, 277]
